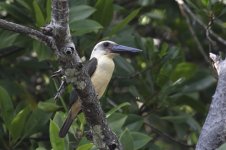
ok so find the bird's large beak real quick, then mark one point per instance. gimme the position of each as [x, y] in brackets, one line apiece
[123, 49]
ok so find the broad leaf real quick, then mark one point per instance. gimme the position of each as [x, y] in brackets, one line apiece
[36, 121]
[116, 121]
[18, 124]
[125, 65]
[84, 26]
[42, 51]
[113, 110]
[6, 106]
[127, 140]
[7, 38]
[48, 10]
[134, 122]
[57, 143]
[140, 139]
[124, 22]
[48, 106]
[85, 147]
[39, 17]
[80, 12]
[104, 12]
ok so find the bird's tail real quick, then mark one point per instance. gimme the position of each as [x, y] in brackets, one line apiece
[75, 109]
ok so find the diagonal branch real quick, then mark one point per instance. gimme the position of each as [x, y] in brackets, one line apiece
[199, 45]
[200, 22]
[165, 135]
[35, 34]
[76, 74]
[57, 36]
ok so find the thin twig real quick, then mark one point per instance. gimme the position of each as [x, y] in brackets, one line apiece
[199, 45]
[4, 52]
[161, 133]
[211, 42]
[199, 21]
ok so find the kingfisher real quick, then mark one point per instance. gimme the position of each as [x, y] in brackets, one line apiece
[100, 67]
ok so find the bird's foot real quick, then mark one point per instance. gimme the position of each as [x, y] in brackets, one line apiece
[58, 73]
[89, 135]
[61, 89]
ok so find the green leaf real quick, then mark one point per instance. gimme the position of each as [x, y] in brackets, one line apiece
[83, 141]
[41, 148]
[140, 139]
[48, 10]
[48, 106]
[57, 143]
[183, 70]
[200, 84]
[124, 22]
[193, 124]
[36, 121]
[222, 147]
[205, 2]
[176, 119]
[104, 12]
[85, 146]
[6, 107]
[134, 122]
[42, 51]
[7, 38]
[188, 100]
[18, 124]
[116, 121]
[125, 65]
[126, 140]
[117, 108]
[81, 12]
[84, 26]
[24, 4]
[82, 119]
[19, 13]
[133, 91]
[39, 17]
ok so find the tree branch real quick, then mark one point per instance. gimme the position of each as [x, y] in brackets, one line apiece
[76, 74]
[165, 135]
[35, 34]
[57, 36]
[199, 45]
[211, 32]
[213, 133]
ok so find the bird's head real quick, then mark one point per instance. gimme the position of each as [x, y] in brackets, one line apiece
[111, 49]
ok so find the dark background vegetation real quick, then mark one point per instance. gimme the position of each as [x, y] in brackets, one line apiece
[156, 100]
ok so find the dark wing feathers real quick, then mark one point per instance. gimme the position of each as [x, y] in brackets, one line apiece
[91, 66]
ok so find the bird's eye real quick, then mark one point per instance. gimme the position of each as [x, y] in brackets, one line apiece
[106, 44]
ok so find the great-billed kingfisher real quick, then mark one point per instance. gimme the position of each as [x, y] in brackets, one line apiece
[100, 68]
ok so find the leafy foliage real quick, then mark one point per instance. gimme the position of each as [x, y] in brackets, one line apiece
[159, 95]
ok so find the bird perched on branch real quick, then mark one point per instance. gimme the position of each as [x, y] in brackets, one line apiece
[100, 68]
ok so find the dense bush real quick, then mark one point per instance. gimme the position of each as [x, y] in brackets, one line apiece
[156, 100]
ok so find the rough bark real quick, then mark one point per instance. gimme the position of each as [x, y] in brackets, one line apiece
[35, 34]
[213, 133]
[57, 36]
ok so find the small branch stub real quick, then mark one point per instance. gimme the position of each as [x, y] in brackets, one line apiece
[216, 61]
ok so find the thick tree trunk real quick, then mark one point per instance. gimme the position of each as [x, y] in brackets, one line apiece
[213, 133]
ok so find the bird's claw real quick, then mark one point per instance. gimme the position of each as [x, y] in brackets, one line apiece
[58, 73]
[60, 90]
